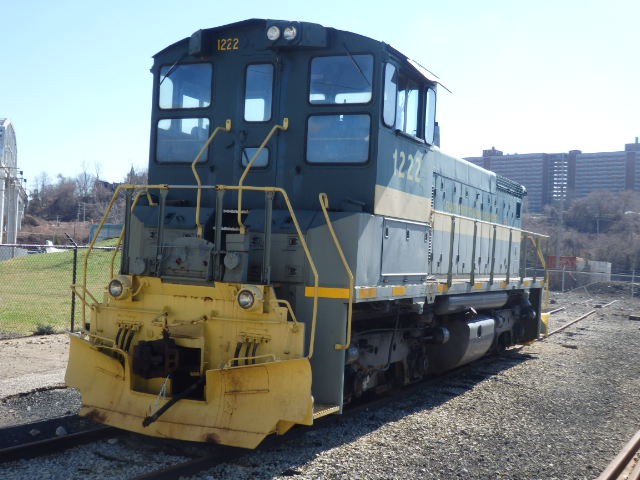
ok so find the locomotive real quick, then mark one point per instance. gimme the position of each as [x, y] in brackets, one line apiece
[302, 241]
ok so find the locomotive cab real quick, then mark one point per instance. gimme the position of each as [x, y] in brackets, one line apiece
[330, 86]
[302, 241]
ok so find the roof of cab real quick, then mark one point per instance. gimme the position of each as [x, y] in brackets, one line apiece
[262, 23]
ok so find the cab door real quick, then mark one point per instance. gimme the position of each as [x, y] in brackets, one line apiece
[245, 93]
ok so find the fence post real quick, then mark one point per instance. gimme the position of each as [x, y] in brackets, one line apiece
[633, 279]
[74, 278]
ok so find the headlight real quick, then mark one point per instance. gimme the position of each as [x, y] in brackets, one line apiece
[115, 288]
[245, 299]
[290, 33]
[120, 287]
[273, 33]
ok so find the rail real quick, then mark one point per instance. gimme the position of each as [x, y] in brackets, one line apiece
[624, 462]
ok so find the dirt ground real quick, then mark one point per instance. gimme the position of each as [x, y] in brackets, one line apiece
[32, 363]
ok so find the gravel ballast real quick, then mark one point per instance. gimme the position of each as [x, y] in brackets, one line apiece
[556, 409]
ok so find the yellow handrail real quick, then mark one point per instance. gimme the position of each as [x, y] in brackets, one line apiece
[288, 307]
[324, 203]
[115, 196]
[536, 243]
[121, 236]
[238, 188]
[74, 290]
[303, 242]
[499, 225]
[226, 128]
[284, 127]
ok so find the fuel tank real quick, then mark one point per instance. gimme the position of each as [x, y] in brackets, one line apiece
[468, 341]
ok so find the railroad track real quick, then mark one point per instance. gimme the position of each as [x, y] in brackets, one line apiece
[580, 318]
[626, 465]
[450, 384]
[54, 444]
[453, 383]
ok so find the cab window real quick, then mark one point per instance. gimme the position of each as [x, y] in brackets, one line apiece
[338, 138]
[261, 161]
[402, 103]
[407, 106]
[258, 93]
[390, 95]
[185, 86]
[181, 139]
[341, 79]
[430, 116]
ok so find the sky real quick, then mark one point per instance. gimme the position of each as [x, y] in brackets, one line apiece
[525, 77]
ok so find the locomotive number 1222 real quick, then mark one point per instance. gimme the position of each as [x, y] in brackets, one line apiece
[407, 166]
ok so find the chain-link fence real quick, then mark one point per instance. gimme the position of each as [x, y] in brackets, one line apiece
[36, 297]
[35, 286]
[565, 280]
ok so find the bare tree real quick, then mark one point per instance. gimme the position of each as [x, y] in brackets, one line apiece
[85, 182]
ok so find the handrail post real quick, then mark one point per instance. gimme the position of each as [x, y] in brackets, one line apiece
[493, 255]
[543, 263]
[324, 204]
[451, 243]
[161, 215]
[509, 256]
[472, 275]
[128, 225]
[266, 259]
[218, 234]
[284, 127]
[119, 188]
[523, 258]
[226, 128]
[124, 256]
[305, 247]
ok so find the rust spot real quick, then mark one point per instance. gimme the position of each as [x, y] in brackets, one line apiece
[96, 416]
[211, 438]
[208, 299]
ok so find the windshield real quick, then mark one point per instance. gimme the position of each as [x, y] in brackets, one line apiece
[186, 86]
[341, 79]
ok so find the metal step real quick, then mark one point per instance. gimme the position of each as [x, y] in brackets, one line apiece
[227, 229]
[234, 210]
[322, 410]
